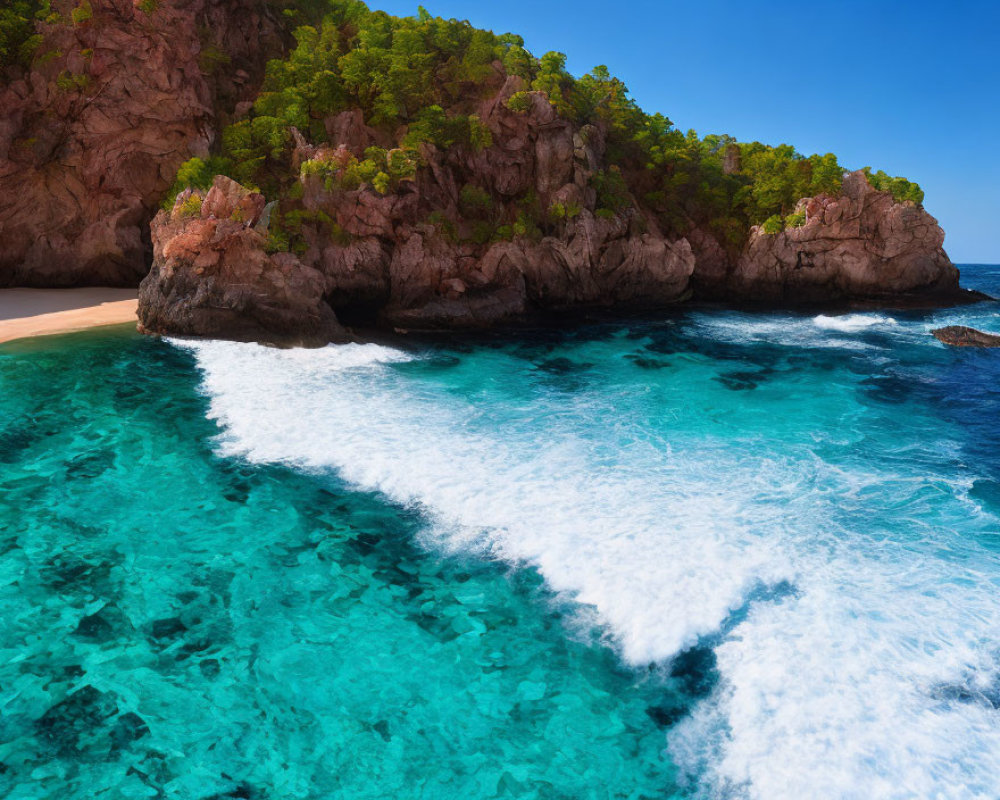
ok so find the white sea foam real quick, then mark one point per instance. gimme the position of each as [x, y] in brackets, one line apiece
[825, 332]
[851, 323]
[872, 680]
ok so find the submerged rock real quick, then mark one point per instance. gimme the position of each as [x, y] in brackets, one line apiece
[961, 336]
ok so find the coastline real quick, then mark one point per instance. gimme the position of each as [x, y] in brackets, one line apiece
[26, 313]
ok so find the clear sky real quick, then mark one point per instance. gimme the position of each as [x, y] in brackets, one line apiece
[908, 86]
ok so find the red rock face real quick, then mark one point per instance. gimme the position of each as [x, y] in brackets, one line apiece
[211, 276]
[859, 245]
[393, 261]
[415, 274]
[392, 266]
[90, 140]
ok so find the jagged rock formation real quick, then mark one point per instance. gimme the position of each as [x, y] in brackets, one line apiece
[961, 336]
[403, 258]
[211, 276]
[92, 136]
[423, 274]
[861, 245]
[389, 263]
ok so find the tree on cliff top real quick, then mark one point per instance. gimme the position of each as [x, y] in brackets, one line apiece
[421, 78]
[18, 36]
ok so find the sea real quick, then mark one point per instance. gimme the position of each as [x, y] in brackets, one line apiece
[698, 554]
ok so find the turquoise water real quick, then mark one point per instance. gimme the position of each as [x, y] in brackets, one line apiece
[713, 554]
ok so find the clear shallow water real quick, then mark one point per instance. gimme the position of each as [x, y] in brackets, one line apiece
[718, 554]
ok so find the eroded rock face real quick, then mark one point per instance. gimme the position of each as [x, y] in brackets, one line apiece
[212, 277]
[90, 140]
[859, 245]
[383, 259]
[412, 257]
[961, 336]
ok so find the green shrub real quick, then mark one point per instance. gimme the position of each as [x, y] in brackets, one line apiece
[381, 183]
[72, 81]
[902, 190]
[191, 207]
[796, 220]
[526, 225]
[519, 102]
[474, 201]
[480, 136]
[612, 191]
[402, 163]
[47, 57]
[773, 224]
[381, 168]
[482, 232]
[196, 173]
[445, 226]
[82, 13]
[277, 239]
[147, 7]
[562, 211]
[211, 58]
[19, 41]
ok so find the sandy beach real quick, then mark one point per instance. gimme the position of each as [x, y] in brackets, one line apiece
[38, 312]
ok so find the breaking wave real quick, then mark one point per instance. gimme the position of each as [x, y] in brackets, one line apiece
[848, 600]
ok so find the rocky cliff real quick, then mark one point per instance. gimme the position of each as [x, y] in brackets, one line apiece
[92, 136]
[531, 209]
[859, 245]
[408, 258]
[212, 277]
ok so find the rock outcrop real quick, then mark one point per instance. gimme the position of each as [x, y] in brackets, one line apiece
[92, 136]
[212, 277]
[961, 336]
[409, 258]
[860, 245]
[531, 218]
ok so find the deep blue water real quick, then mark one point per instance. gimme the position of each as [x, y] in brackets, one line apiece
[713, 554]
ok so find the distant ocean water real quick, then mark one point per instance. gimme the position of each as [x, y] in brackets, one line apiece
[714, 554]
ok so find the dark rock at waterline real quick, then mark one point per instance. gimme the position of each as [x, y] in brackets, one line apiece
[962, 336]
[212, 276]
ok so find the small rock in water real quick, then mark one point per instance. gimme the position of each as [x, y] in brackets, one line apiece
[962, 336]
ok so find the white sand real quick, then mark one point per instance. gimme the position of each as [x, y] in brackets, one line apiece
[37, 312]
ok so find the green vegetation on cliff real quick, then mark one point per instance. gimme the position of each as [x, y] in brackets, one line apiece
[19, 38]
[421, 79]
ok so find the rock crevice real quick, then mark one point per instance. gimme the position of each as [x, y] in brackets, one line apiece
[91, 138]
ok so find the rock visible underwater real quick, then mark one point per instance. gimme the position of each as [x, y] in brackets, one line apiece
[962, 336]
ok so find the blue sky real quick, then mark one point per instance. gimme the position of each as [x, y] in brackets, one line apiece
[910, 86]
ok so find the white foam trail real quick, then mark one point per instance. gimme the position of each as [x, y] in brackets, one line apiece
[790, 332]
[846, 689]
[851, 323]
[553, 501]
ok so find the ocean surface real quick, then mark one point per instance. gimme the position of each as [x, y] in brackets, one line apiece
[710, 554]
